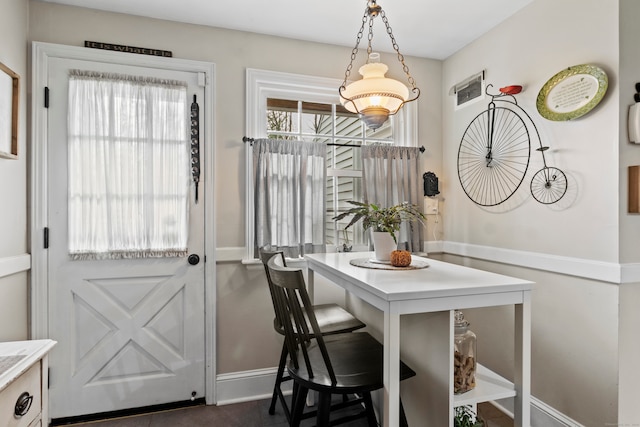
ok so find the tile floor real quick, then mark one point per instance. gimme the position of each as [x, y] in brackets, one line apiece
[249, 414]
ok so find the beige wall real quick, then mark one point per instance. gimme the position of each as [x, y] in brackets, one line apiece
[629, 323]
[13, 179]
[528, 49]
[574, 343]
[242, 296]
[629, 153]
[629, 349]
[232, 52]
[575, 321]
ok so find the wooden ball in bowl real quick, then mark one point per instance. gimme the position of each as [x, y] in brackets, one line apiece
[400, 258]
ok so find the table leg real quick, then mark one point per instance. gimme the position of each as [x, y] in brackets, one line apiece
[310, 284]
[310, 290]
[522, 375]
[391, 371]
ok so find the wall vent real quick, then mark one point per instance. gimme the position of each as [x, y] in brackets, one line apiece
[468, 91]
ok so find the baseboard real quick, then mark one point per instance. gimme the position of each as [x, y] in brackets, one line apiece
[546, 414]
[124, 413]
[542, 415]
[247, 386]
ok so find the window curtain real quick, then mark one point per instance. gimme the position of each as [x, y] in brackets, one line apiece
[128, 166]
[391, 176]
[289, 196]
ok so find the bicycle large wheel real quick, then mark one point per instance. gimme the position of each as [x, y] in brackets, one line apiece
[493, 156]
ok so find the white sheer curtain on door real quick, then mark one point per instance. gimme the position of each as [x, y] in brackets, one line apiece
[391, 175]
[128, 166]
[290, 181]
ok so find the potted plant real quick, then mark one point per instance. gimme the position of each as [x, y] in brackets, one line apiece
[384, 223]
[465, 417]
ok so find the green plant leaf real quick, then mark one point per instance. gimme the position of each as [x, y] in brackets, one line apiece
[381, 219]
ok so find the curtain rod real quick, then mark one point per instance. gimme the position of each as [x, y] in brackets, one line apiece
[246, 139]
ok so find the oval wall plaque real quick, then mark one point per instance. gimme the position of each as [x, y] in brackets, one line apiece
[572, 92]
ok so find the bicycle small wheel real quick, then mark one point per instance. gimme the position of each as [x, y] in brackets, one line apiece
[493, 156]
[548, 185]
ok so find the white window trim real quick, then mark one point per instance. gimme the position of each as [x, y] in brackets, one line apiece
[263, 84]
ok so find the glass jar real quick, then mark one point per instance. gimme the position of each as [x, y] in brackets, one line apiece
[464, 355]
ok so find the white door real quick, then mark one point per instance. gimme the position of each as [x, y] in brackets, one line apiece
[130, 332]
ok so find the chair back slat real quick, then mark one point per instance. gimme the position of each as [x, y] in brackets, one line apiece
[265, 256]
[301, 336]
[289, 282]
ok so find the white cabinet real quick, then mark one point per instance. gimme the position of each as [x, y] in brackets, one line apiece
[23, 383]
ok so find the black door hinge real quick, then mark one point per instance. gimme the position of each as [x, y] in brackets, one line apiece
[48, 377]
[46, 237]
[46, 97]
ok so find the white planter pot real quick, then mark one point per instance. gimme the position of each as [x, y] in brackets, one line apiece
[383, 245]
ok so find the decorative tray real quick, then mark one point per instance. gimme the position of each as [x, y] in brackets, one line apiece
[381, 265]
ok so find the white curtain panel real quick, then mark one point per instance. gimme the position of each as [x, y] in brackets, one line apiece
[290, 181]
[128, 166]
[391, 175]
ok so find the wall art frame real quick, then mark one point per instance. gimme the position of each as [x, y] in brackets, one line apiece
[9, 100]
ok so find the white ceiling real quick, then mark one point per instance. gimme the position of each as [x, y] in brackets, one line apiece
[425, 28]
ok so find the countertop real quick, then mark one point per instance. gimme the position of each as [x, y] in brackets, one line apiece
[16, 357]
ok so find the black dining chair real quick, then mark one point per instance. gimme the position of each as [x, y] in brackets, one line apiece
[350, 363]
[331, 318]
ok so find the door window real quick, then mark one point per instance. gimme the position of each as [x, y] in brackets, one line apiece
[128, 166]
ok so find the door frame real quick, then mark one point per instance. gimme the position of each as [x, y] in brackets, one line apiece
[39, 286]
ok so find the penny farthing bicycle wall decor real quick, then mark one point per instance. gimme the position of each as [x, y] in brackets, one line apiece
[494, 155]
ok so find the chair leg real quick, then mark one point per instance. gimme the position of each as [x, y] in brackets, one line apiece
[324, 410]
[368, 406]
[277, 385]
[299, 398]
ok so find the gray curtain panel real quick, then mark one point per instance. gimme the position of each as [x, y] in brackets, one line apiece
[289, 196]
[391, 176]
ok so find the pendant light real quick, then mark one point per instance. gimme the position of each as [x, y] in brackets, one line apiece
[375, 97]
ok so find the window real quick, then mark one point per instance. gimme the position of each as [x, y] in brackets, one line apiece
[281, 105]
[128, 167]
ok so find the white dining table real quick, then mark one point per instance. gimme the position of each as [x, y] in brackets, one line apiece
[440, 288]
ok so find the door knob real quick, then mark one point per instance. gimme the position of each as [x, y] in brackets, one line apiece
[193, 259]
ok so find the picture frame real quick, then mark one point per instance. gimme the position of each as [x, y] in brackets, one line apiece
[9, 97]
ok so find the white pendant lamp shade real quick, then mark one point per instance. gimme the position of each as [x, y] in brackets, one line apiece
[375, 96]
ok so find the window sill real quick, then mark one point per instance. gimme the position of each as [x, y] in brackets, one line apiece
[298, 262]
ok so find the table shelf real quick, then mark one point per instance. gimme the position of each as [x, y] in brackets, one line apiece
[489, 386]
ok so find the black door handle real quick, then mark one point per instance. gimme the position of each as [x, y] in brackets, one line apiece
[193, 259]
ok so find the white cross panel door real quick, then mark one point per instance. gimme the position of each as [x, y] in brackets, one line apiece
[130, 332]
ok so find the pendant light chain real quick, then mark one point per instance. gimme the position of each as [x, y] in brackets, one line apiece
[354, 51]
[405, 68]
[370, 13]
[370, 36]
[375, 97]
